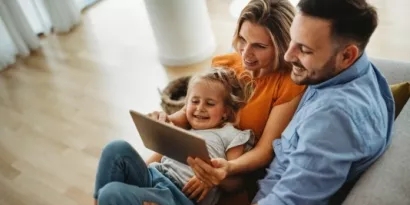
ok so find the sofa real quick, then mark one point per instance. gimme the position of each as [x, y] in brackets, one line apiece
[387, 181]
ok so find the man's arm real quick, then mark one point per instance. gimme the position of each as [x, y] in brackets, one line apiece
[329, 142]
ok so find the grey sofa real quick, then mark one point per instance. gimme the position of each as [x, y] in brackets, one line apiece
[387, 181]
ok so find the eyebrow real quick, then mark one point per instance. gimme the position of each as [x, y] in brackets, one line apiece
[263, 44]
[206, 99]
[301, 44]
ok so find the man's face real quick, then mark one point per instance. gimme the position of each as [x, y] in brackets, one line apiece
[312, 51]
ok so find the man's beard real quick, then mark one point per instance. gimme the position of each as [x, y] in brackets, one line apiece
[324, 75]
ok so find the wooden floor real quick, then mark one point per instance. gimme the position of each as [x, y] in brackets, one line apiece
[60, 106]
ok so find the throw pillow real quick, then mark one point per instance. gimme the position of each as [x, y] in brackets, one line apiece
[401, 93]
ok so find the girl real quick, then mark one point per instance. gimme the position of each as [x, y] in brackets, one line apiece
[212, 103]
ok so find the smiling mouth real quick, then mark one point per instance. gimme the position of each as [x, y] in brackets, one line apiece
[250, 63]
[298, 71]
[201, 117]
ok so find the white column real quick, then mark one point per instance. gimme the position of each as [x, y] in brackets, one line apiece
[64, 14]
[182, 30]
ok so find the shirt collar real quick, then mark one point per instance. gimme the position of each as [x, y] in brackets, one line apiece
[356, 70]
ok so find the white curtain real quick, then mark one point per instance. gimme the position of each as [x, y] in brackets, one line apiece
[64, 14]
[22, 20]
[16, 35]
[37, 15]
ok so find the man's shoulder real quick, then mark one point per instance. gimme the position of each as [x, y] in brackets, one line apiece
[353, 98]
[364, 106]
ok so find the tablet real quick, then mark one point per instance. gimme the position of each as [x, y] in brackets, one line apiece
[169, 140]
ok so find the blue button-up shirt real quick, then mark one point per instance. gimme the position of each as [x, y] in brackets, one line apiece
[339, 129]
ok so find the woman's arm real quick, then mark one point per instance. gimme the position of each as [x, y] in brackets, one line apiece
[261, 155]
[196, 188]
[232, 183]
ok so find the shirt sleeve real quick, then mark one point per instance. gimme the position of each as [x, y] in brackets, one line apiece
[231, 61]
[241, 138]
[288, 90]
[328, 143]
[233, 137]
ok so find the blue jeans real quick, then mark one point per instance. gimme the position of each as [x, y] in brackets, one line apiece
[123, 178]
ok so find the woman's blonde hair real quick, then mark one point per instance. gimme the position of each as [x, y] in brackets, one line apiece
[276, 16]
[239, 89]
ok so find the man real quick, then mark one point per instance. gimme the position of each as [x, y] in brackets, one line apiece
[344, 121]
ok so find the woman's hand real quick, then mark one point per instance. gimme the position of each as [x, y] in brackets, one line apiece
[195, 188]
[210, 175]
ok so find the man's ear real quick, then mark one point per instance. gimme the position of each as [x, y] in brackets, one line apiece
[349, 56]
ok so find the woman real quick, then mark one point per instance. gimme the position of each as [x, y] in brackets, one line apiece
[260, 41]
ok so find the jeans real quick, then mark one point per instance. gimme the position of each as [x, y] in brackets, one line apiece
[123, 178]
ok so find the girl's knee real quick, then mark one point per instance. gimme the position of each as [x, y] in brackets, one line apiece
[117, 146]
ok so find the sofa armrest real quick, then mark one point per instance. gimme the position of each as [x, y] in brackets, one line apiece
[387, 181]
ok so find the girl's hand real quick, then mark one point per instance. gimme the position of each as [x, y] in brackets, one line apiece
[160, 116]
[210, 175]
[195, 188]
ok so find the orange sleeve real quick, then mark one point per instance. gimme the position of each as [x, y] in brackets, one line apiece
[288, 90]
[232, 61]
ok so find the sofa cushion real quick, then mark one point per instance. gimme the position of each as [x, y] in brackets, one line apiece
[394, 71]
[401, 93]
[387, 181]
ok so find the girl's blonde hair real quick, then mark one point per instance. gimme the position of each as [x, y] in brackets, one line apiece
[276, 16]
[239, 89]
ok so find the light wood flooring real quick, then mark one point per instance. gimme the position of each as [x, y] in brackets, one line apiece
[60, 106]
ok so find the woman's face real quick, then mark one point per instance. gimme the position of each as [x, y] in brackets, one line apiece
[256, 47]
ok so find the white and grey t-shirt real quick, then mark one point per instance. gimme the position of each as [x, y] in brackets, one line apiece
[218, 142]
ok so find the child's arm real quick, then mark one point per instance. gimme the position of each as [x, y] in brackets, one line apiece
[179, 119]
[153, 158]
[232, 183]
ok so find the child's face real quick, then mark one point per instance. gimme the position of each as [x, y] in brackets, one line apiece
[205, 105]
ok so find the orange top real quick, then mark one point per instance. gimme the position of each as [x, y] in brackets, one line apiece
[270, 90]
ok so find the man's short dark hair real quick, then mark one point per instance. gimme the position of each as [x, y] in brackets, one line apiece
[351, 19]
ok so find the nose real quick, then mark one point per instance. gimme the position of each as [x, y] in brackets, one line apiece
[290, 55]
[246, 50]
[200, 106]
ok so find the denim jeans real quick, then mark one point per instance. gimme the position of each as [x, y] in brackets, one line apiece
[123, 178]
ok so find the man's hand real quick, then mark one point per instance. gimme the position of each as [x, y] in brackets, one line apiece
[195, 188]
